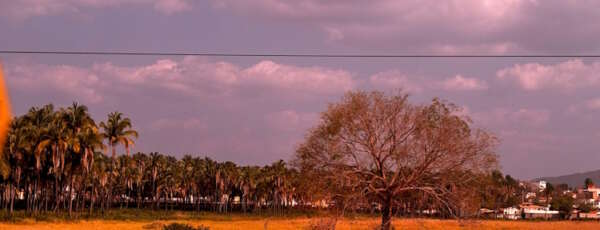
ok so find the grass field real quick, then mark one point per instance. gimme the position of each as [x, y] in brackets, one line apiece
[303, 223]
[252, 222]
[135, 219]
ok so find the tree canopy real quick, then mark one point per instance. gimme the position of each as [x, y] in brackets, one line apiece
[383, 147]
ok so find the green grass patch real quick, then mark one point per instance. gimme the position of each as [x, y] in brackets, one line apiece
[149, 215]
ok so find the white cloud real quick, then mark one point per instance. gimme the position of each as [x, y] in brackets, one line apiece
[497, 48]
[583, 108]
[451, 26]
[24, 9]
[220, 107]
[459, 82]
[190, 77]
[593, 104]
[395, 79]
[566, 75]
[171, 6]
[315, 79]
[78, 83]
[291, 120]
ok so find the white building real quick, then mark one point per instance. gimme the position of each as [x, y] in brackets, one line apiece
[542, 185]
[511, 213]
[530, 195]
[530, 211]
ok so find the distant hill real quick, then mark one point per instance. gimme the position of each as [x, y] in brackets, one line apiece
[573, 180]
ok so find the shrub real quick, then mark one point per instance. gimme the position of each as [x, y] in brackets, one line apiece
[154, 225]
[178, 226]
[322, 224]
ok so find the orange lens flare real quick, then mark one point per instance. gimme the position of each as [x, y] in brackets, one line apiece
[4, 110]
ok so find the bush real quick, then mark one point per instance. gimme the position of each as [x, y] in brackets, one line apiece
[178, 226]
[154, 225]
[322, 224]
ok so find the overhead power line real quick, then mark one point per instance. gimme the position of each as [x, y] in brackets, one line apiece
[291, 55]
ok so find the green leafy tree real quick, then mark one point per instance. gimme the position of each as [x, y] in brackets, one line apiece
[588, 182]
[563, 204]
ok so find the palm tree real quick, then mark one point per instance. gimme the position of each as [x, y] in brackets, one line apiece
[140, 160]
[57, 139]
[117, 130]
[172, 174]
[157, 162]
[247, 184]
[100, 175]
[16, 142]
[84, 138]
[90, 140]
[188, 186]
[37, 125]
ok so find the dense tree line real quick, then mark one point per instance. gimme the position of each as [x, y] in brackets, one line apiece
[501, 191]
[62, 160]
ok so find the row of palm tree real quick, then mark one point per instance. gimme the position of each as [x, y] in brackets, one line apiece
[61, 160]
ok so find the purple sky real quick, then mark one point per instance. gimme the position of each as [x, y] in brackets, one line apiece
[255, 110]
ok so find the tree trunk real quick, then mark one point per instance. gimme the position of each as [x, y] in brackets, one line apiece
[166, 204]
[102, 200]
[35, 194]
[139, 196]
[154, 195]
[114, 151]
[386, 214]
[128, 197]
[12, 197]
[71, 197]
[92, 198]
[56, 193]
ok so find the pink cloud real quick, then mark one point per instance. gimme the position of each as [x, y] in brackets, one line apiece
[171, 6]
[566, 75]
[395, 79]
[459, 82]
[291, 120]
[190, 76]
[73, 81]
[24, 9]
[433, 26]
[315, 79]
[497, 48]
[382, 21]
[583, 109]
[593, 104]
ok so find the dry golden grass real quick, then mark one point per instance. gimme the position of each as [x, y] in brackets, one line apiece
[302, 223]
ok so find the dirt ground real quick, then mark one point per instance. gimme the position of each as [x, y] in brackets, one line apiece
[303, 223]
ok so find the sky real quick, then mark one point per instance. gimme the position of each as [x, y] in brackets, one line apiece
[255, 110]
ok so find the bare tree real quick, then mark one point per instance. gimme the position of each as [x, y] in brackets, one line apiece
[383, 147]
